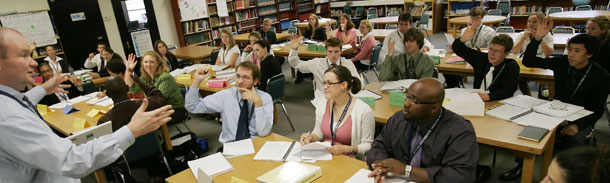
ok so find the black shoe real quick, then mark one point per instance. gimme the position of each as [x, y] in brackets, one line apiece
[483, 173]
[299, 80]
[512, 174]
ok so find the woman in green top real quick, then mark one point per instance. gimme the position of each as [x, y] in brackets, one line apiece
[156, 73]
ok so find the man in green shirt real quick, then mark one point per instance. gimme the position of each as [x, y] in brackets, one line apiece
[413, 64]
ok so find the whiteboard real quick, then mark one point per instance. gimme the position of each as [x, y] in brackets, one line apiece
[141, 42]
[34, 26]
[192, 9]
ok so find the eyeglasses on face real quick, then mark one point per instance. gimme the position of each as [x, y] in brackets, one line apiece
[328, 84]
[412, 100]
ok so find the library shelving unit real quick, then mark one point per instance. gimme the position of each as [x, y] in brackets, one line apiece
[246, 15]
[287, 12]
[458, 8]
[522, 9]
[267, 9]
[218, 23]
[384, 7]
[322, 8]
[195, 31]
[418, 7]
[304, 8]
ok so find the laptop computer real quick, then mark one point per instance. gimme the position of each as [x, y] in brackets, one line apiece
[90, 133]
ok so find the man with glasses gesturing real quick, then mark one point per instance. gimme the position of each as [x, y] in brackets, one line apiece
[425, 142]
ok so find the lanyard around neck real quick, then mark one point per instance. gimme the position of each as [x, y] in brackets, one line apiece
[421, 142]
[332, 115]
[580, 82]
[22, 104]
[474, 42]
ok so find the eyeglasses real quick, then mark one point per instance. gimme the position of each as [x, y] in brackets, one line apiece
[328, 84]
[561, 107]
[414, 101]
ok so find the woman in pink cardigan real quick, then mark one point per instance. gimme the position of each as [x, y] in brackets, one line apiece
[364, 49]
[346, 32]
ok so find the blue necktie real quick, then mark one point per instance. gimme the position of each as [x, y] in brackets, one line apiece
[242, 124]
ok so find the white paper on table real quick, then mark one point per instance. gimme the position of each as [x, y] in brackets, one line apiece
[315, 146]
[462, 94]
[507, 112]
[238, 148]
[217, 68]
[211, 165]
[524, 101]
[539, 120]
[202, 177]
[273, 151]
[225, 73]
[105, 103]
[78, 99]
[309, 41]
[177, 72]
[578, 115]
[397, 85]
[367, 93]
[91, 95]
[465, 108]
[60, 105]
[437, 52]
[295, 153]
[319, 155]
[449, 38]
[557, 108]
[96, 100]
[345, 47]
[361, 177]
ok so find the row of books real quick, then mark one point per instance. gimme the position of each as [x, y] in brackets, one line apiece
[285, 6]
[266, 10]
[323, 8]
[265, 2]
[221, 21]
[419, 10]
[242, 4]
[216, 32]
[197, 38]
[304, 7]
[247, 25]
[195, 26]
[244, 15]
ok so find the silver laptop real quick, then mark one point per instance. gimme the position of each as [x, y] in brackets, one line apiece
[90, 133]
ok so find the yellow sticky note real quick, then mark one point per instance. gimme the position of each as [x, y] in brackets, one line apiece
[184, 76]
[237, 180]
[93, 112]
[42, 109]
[103, 111]
[79, 123]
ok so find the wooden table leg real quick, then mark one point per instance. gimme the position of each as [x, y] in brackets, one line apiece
[551, 90]
[274, 114]
[99, 176]
[454, 31]
[528, 168]
[166, 137]
[547, 157]
[293, 72]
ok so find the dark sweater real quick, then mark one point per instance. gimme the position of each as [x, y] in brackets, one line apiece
[173, 61]
[505, 75]
[269, 68]
[52, 98]
[269, 36]
[591, 94]
[602, 58]
[319, 36]
[121, 114]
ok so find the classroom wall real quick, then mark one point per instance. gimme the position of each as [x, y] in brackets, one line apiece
[112, 28]
[13, 6]
[165, 22]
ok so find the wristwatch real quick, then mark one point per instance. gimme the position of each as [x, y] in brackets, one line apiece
[408, 170]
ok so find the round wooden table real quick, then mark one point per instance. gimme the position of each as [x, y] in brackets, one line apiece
[384, 20]
[578, 15]
[465, 20]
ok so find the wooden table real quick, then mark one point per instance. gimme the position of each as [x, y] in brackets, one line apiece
[542, 76]
[379, 34]
[194, 52]
[204, 85]
[304, 25]
[490, 131]
[381, 21]
[100, 81]
[243, 38]
[559, 39]
[465, 20]
[339, 169]
[578, 15]
[304, 53]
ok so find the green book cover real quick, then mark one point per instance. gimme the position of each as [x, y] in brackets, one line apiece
[368, 100]
[397, 99]
[322, 49]
[436, 59]
[312, 47]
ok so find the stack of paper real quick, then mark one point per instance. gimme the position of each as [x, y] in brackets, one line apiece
[78, 99]
[177, 72]
[557, 108]
[211, 165]
[465, 108]
[368, 93]
[316, 151]
[293, 151]
[362, 177]
[437, 52]
[397, 85]
[238, 148]
[274, 151]
[524, 101]
[291, 172]
[507, 112]
[462, 94]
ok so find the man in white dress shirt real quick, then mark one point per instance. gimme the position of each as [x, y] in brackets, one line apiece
[404, 23]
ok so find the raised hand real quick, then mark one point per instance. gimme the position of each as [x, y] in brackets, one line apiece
[391, 44]
[54, 84]
[76, 81]
[145, 122]
[295, 42]
[468, 33]
[91, 56]
[201, 73]
[343, 27]
[248, 48]
[131, 62]
[543, 29]
[251, 95]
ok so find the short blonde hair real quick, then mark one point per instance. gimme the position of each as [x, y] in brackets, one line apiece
[267, 20]
[368, 24]
[604, 24]
[161, 68]
[231, 39]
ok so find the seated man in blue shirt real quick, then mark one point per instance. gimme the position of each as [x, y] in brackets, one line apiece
[246, 112]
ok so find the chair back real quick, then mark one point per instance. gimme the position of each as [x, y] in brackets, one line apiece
[563, 30]
[88, 87]
[214, 56]
[372, 11]
[359, 12]
[391, 26]
[171, 47]
[504, 7]
[272, 29]
[583, 8]
[144, 146]
[371, 16]
[494, 12]
[392, 14]
[553, 10]
[424, 19]
[375, 56]
[275, 86]
[505, 29]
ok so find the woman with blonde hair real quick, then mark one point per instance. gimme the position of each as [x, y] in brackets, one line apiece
[365, 47]
[229, 51]
[314, 31]
[156, 73]
[600, 27]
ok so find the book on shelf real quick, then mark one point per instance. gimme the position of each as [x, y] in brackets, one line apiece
[293, 172]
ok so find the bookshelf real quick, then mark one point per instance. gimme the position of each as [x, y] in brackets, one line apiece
[287, 12]
[218, 23]
[522, 9]
[246, 15]
[384, 7]
[304, 8]
[458, 8]
[322, 8]
[191, 31]
[418, 7]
